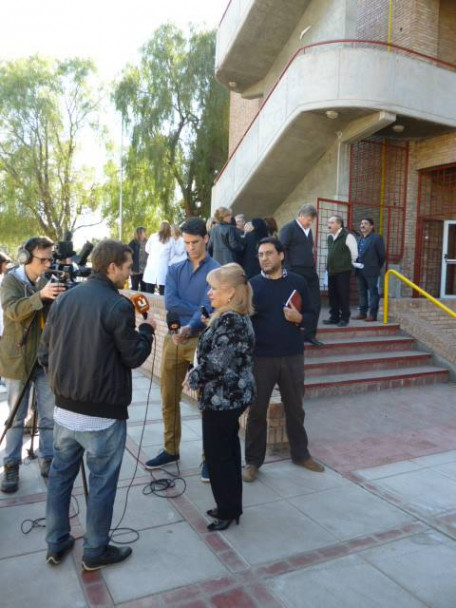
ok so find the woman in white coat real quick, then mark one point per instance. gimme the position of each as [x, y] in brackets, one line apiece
[180, 253]
[160, 248]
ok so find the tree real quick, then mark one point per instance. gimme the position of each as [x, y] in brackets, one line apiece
[177, 116]
[46, 109]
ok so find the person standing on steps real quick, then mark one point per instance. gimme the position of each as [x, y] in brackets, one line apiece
[371, 257]
[342, 255]
[298, 241]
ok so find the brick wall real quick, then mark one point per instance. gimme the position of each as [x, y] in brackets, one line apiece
[427, 323]
[447, 31]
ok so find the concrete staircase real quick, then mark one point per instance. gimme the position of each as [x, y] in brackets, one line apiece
[366, 357]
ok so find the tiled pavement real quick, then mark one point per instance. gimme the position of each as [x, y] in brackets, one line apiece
[377, 529]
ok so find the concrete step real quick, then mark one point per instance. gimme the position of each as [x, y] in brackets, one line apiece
[357, 329]
[364, 381]
[356, 345]
[362, 361]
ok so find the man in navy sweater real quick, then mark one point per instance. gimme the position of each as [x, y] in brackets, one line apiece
[278, 357]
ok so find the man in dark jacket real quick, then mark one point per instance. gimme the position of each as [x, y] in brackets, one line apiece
[89, 347]
[297, 238]
[371, 250]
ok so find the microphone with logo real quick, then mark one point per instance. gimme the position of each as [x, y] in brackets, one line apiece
[173, 322]
[142, 307]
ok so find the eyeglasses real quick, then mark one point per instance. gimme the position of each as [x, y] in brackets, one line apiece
[43, 260]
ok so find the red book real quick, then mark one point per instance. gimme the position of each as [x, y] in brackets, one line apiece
[295, 300]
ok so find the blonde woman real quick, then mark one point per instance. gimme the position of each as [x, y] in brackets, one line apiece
[224, 378]
[180, 253]
[160, 250]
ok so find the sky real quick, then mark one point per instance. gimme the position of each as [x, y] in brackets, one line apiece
[110, 32]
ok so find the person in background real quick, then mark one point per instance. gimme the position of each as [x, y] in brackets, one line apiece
[160, 250]
[179, 246]
[138, 246]
[4, 261]
[240, 221]
[371, 250]
[225, 244]
[210, 223]
[298, 241]
[252, 238]
[342, 254]
[223, 375]
[273, 229]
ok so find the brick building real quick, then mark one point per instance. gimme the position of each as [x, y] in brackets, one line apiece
[350, 105]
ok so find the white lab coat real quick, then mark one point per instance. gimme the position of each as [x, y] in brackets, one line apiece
[158, 260]
[180, 253]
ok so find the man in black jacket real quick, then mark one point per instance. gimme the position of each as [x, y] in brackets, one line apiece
[89, 347]
[297, 238]
[371, 257]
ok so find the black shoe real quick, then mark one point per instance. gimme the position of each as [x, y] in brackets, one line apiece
[112, 555]
[222, 524]
[160, 460]
[314, 341]
[330, 322]
[10, 481]
[342, 324]
[55, 557]
[213, 512]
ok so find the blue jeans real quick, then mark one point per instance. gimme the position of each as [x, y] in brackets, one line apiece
[368, 295]
[104, 453]
[45, 406]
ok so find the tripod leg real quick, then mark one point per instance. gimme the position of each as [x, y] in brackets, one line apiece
[31, 451]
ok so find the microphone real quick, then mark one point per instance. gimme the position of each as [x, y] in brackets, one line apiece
[173, 321]
[141, 304]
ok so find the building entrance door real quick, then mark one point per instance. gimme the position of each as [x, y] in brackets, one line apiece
[448, 281]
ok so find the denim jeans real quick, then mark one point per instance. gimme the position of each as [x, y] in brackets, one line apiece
[45, 406]
[368, 295]
[104, 453]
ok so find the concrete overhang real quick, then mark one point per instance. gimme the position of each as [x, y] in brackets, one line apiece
[367, 88]
[250, 36]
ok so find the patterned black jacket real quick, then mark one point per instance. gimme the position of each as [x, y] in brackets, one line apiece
[224, 371]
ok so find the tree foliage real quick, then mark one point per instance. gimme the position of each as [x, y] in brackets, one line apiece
[46, 108]
[177, 117]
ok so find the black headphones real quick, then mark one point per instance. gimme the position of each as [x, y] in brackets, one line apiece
[25, 255]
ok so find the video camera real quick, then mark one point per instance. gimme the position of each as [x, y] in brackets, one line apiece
[68, 267]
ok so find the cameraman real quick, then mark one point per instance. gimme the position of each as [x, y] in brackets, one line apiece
[89, 347]
[25, 297]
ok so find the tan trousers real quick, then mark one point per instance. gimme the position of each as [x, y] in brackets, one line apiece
[175, 362]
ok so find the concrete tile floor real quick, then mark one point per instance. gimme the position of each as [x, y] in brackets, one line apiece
[377, 529]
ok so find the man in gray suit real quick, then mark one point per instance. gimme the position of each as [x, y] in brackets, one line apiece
[371, 255]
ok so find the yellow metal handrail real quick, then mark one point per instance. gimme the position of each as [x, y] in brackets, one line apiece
[400, 276]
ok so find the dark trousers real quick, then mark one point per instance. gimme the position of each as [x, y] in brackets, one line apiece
[368, 295]
[136, 282]
[223, 456]
[150, 288]
[339, 296]
[288, 373]
[313, 283]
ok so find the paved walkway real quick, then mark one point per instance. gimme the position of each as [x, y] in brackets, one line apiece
[377, 529]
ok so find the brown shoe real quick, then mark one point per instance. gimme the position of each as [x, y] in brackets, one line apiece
[370, 319]
[311, 464]
[250, 473]
[359, 317]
